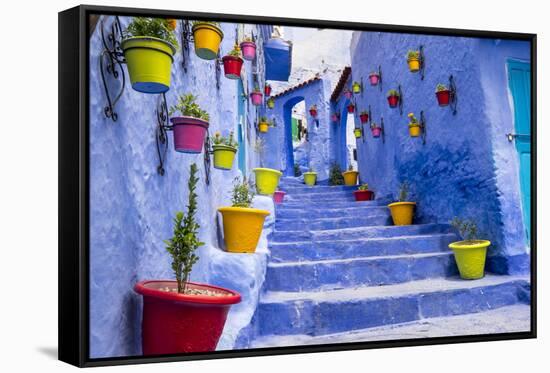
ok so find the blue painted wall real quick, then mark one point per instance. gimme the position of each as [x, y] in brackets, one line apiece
[467, 168]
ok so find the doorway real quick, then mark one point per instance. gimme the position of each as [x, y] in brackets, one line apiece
[295, 121]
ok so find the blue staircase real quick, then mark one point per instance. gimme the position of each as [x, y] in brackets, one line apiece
[339, 266]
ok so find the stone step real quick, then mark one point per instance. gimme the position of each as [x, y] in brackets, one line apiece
[320, 198]
[325, 204]
[334, 311]
[341, 249]
[329, 274]
[357, 233]
[381, 218]
[354, 209]
[302, 188]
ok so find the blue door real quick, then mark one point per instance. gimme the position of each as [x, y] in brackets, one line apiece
[241, 127]
[519, 79]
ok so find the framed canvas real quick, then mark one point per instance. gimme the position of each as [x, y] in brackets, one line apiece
[234, 186]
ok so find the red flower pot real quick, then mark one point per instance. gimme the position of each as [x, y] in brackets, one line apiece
[256, 98]
[267, 90]
[374, 79]
[248, 49]
[364, 118]
[376, 131]
[351, 108]
[393, 100]
[232, 67]
[443, 97]
[278, 196]
[313, 113]
[363, 195]
[175, 323]
[189, 134]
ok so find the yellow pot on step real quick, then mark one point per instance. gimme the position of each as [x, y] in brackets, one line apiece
[414, 131]
[224, 156]
[310, 178]
[350, 177]
[470, 257]
[207, 38]
[414, 64]
[267, 180]
[402, 212]
[242, 228]
[264, 127]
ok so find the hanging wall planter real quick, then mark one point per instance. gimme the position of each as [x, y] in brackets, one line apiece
[376, 130]
[470, 254]
[189, 128]
[278, 196]
[374, 78]
[357, 132]
[364, 117]
[248, 48]
[224, 149]
[310, 177]
[267, 90]
[393, 98]
[270, 103]
[347, 93]
[207, 37]
[256, 96]
[363, 193]
[351, 108]
[313, 111]
[334, 117]
[350, 176]
[414, 126]
[402, 212]
[232, 64]
[356, 87]
[414, 60]
[267, 180]
[149, 47]
[263, 124]
[443, 94]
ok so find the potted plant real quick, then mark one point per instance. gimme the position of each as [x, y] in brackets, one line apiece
[376, 130]
[347, 93]
[351, 108]
[263, 124]
[233, 63]
[267, 179]
[402, 211]
[190, 127]
[310, 177]
[470, 253]
[248, 47]
[414, 126]
[182, 316]
[297, 171]
[335, 117]
[224, 151]
[393, 98]
[242, 224]
[364, 117]
[270, 103]
[357, 132]
[443, 94]
[207, 36]
[278, 196]
[256, 96]
[363, 193]
[313, 111]
[149, 45]
[356, 87]
[350, 176]
[267, 90]
[335, 176]
[413, 59]
[374, 78]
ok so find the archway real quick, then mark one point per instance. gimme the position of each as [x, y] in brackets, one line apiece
[346, 146]
[295, 125]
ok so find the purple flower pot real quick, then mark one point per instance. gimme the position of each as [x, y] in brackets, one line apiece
[256, 98]
[278, 196]
[376, 131]
[189, 134]
[248, 50]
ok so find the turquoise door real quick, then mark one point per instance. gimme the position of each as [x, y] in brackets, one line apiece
[241, 126]
[519, 79]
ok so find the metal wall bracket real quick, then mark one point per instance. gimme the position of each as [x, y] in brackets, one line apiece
[160, 132]
[218, 63]
[207, 159]
[380, 77]
[422, 61]
[423, 127]
[186, 38]
[383, 130]
[400, 103]
[452, 92]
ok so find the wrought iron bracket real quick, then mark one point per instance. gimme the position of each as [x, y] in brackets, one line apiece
[207, 159]
[186, 38]
[111, 59]
[218, 63]
[380, 77]
[423, 127]
[382, 130]
[422, 59]
[452, 93]
[400, 101]
[161, 137]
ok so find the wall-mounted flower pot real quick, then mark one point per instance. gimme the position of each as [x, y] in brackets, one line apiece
[176, 323]
[363, 195]
[278, 196]
[364, 118]
[357, 132]
[232, 67]
[348, 94]
[267, 90]
[470, 257]
[376, 131]
[263, 127]
[313, 112]
[402, 212]
[270, 103]
[374, 79]
[207, 38]
[334, 118]
[443, 97]
[224, 156]
[414, 130]
[149, 63]
[351, 108]
[356, 88]
[248, 49]
[267, 180]
[393, 101]
[414, 64]
[310, 178]
[242, 228]
[350, 177]
[189, 134]
[256, 98]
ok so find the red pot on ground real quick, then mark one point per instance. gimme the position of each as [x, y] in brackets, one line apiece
[189, 134]
[363, 195]
[267, 90]
[376, 131]
[232, 67]
[313, 113]
[364, 118]
[351, 109]
[443, 97]
[393, 100]
[278, 196]
[175, 323]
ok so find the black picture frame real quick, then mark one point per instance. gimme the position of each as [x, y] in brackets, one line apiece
[74, 187]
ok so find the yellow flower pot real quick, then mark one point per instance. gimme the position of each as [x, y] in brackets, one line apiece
[224, 156]
[267, 180]
[207, 40]
[264, 127]
[414, 64]
[310, 178]
[402, 212]
[414, 131]
[470, 257]
[242, 228]
[356, 88]
[350, 177]
[270, 103]
[149, 63]
[357, 133]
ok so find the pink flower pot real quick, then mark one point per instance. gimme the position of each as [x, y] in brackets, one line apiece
[278, 196]
[256, 98]
[374, 79]
[376, 131]
[189, 134]
[347, 94]
[334, 118]
[248, 49]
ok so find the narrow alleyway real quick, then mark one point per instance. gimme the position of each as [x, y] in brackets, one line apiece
[340, 271]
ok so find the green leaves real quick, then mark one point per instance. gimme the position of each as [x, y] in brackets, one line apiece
[154, 27]
[243, 193]
[466, 228]
[187, 107]
[335, 175]
[403, 192]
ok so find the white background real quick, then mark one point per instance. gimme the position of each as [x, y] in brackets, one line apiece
[28, 185]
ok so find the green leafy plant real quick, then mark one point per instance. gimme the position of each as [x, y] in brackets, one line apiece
[373, 73]
[403, 192]
[313, 107]
[364, 112]
[185, 241]
[235, 52]
[218, 139]
[413, 55]
[243, 193]
[213, 23]
[160, 28]
[248, 39]
[335, 175]
[393, 92]
[257, 89]
[373, 125]
[363, 187]
[413, 122]
[187, 107]
[466, 228]
[350, 105]
[441, 87]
